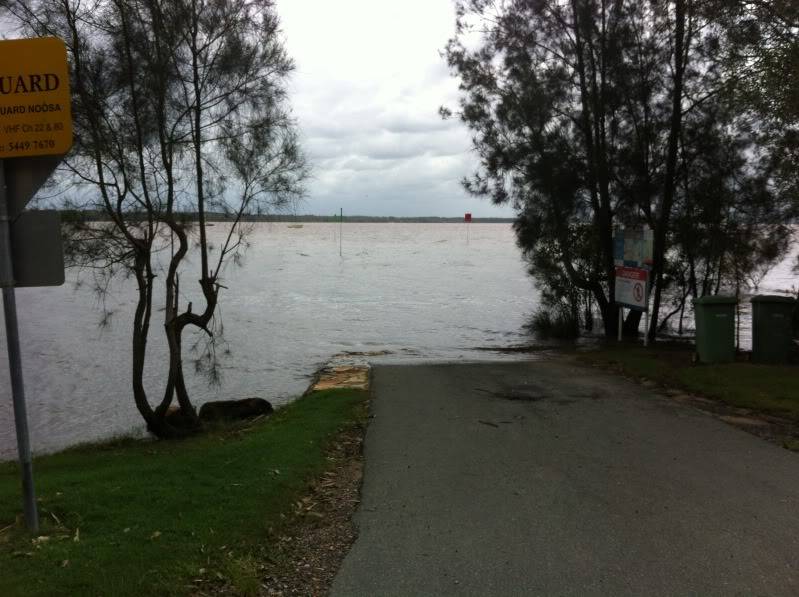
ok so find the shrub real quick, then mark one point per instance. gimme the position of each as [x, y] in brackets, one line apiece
[561, 324]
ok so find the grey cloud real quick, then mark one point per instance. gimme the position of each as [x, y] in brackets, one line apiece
[382, 144]
[369, 121]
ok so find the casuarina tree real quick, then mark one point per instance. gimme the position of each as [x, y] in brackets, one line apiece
[763, 57]
[180, 112]
[579, 111]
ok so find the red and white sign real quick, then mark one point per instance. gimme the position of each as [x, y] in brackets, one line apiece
[631, 288]
[467, 217]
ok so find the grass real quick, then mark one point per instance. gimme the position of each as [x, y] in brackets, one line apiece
[148, 518]
[768, 388]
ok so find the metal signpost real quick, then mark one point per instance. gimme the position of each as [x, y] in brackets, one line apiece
[632, 250]
[35, 133]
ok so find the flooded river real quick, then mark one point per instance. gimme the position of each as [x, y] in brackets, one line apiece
[413, 291]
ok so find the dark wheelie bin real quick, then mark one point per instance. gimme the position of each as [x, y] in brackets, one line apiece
[715, 328]
[771, 328]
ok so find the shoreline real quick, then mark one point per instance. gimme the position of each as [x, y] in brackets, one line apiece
[352, 370]
[308, 530]
[206, 512]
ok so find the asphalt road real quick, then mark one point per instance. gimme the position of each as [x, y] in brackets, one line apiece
[545, 478]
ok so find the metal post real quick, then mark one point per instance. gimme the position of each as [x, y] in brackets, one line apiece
[15, 361]
[621, 320]
[340, 231]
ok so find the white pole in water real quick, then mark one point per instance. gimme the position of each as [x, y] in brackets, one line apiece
[621, 320]
[340, 230]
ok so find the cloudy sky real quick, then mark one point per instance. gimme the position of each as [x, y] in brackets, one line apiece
[366, 93]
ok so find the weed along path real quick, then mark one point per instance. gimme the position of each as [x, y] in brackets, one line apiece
[549, 478]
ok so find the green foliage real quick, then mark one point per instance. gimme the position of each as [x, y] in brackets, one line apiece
[558, 325]
[763, 54]
[143, 518]
[574, 116]
[558, 294]
[762, 57]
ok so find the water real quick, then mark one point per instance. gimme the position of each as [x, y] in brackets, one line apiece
[412, 290]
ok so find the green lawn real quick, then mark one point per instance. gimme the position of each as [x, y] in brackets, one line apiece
[145, 518]
[768, 388]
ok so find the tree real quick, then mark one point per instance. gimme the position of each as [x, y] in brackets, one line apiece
[556, 93]
[762, 55]
[763, 50]
[731, 220]
[579, 111]
[179, 111]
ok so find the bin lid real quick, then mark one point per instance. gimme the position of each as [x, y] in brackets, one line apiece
[716, 299]
[773, 298]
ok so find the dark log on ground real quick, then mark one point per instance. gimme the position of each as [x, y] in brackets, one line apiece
[227, 410]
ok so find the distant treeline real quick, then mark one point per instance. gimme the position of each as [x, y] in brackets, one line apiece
[98, 216]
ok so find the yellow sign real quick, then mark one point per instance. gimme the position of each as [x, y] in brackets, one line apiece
[35, 111]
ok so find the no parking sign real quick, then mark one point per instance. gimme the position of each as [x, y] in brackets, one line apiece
[631, 287]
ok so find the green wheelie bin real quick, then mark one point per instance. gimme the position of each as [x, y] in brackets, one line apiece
[771, 328]
[715, 328]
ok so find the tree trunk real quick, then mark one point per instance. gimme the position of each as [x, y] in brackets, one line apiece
[664, 214]
[682, 313]
[174, 333]
[796, 317]
[592, 125]
[610, 318]
[631, 323]
[155, 420]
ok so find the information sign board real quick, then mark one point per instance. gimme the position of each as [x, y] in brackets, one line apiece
[35, 111]
[631, 288]
[618, 247]
[632, 247]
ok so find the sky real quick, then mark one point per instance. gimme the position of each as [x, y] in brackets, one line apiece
[368, 83]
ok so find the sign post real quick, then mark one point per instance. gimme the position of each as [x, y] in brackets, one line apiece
[15, 363]
[35, 132]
